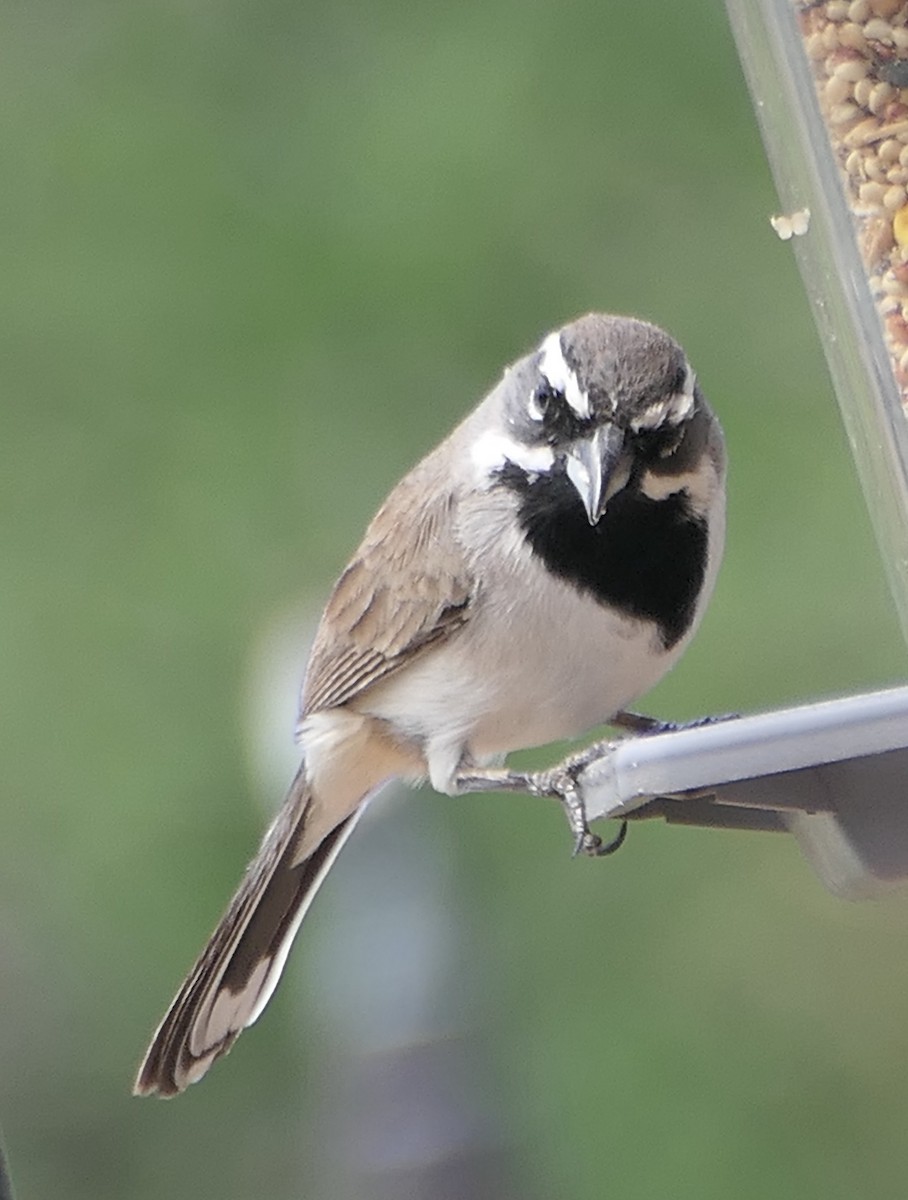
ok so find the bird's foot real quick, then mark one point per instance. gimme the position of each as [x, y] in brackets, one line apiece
[558, 783]
[475, 779]
[641, 724]
[561, 784]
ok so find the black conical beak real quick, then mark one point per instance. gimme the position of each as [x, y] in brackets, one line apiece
[591, 461]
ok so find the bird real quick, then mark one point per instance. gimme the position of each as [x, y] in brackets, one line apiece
[535, 574]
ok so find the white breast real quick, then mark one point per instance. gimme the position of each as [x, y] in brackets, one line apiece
[537, 662]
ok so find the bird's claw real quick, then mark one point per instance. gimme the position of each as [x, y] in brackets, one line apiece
[559, 783]
[591, 844]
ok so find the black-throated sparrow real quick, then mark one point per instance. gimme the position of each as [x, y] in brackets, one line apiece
[540, 569]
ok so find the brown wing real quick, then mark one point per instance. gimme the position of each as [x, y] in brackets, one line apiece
[406, 588]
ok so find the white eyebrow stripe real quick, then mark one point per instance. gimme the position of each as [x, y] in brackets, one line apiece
[680, 405]
[556, 370]
[652, 417]
[534, 412]
[690, 381]
[674, 409]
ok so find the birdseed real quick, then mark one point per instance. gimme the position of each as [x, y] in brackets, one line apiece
[858, 53]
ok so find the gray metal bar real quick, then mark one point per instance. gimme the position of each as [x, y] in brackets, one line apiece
[768, 744]
[834, 774]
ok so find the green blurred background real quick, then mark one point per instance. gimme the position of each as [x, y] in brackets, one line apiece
[257, 257]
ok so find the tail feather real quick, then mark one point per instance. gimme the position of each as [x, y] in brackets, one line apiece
[237, 972]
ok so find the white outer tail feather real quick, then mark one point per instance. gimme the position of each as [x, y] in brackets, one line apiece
[208, 1014]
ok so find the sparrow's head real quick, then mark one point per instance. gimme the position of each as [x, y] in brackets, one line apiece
[606, 401]
[614, 465]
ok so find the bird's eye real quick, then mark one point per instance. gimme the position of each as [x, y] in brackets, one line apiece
[542, 400]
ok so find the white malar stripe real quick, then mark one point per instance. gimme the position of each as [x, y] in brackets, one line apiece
[700, 485]
[554, 367]
[493, 449]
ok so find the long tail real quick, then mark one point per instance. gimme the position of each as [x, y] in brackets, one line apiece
[237, 972]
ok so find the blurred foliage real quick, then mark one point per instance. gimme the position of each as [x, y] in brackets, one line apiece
[257, 259]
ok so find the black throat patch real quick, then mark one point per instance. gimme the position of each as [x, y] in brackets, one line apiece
[646, 558]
